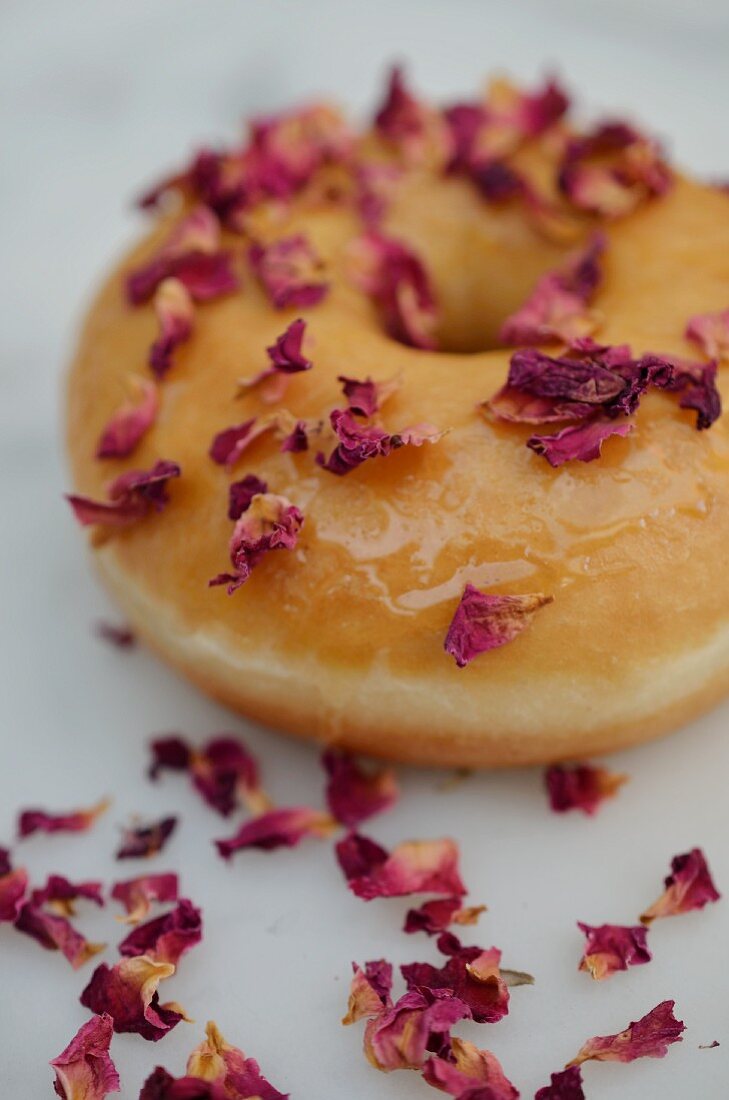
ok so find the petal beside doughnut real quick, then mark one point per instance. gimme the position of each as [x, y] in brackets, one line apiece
[353, 355]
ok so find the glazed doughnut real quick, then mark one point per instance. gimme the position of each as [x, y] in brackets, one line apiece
[399, 256]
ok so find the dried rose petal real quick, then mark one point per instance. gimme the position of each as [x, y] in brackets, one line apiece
[557, 308]
[367, 398]
[143, 841]
[696, 382]
[283, 828]
[581, 787]
[369, 991]
[483, 621]
[161, 1085]
[137, 894]
[611, 170]
[123, 637]
[175, 314]
[215, 1060]
[613, 947]
[648, 1037]
[228, 446]
[270, 523]
[286, 358]
[132, 496]
[402, 118]
[353, 794]
[84, 1070]
[711, 332]
[565, 1085]
[167, 938]
[13, 887]
[241, 493]
[437, 915]
[358, 442]
[472, 973]
[56, 933]
[130, 422]
[414, 867]
[290, 272]
[59, 894]
[376, 188]
[297, 439]
[190, 255]
[580, 443]
[75, 821]
[222, 770]
[394, 277]
[128, 993]
[465, 1069]
[689, 886]
[401, 1036]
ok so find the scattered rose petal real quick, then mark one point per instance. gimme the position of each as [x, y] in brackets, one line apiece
[290, 272]
[128, 993]
[414, 867]
[130, 422]
[222, 770]
[401, 1036]
[711, 332]
[370, 991]
[376, 187]
[360, 442]
[75, 821]
[394, 277]
[297, 438]
[84, 1070]
[437, 915]
[565, 1085]
[689, 886]
[402, 119]
[557, 309]
[696, 382]
[612, 947]
[581, 787]
[13, 887]
[648, 1037]
[367, 398]
[609, 171]
[215, 1060]
[469, 1072]
[484, 621]
[123, 637]
[132, 496]
[228, 445]
[286, 358]
[354, 794]
[166, 938]
[270, 523]
[579, 443]
[161, 1085]
[282, 828]
[143, 841]
[175, 315]
[192, 256]
[59, 894]
[241, 493]
[137, 894]
[56, 933]
[472, 973]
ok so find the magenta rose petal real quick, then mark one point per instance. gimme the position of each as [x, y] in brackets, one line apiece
[146, 840]
[85, 1070]
[483, 621]
[279, 828]
[612, 947]
[414, 867]
[649, 1037]
[270, 523]
[138, 894]
[353, 793]
[581, 787]
[689, 886]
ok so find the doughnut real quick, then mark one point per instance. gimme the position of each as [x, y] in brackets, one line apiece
[409, 441]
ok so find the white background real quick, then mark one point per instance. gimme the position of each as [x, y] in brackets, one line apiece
[95, 99]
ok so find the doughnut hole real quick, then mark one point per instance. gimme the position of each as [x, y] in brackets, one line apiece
[483, 259]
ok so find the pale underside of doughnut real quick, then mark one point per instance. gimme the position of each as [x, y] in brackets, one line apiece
[342, 638]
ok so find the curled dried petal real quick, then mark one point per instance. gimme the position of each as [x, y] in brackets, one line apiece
[175, 315]
[217, 1061]
[581, 787]
[282, 828]
[689, 886]
[130, 422]
[132, 496]
[484, 621]
[435, 916]
[395, 278]
[578, 443]
[472, 973]
[648, 1037]
[143, 841]
[612, 947]
[354, 794]
[286, 358]
[413, 867]
[290, 272]
[128, 993]
[84, 1070]
[137, 894]
[56, 933]
[369, 991]
[465, 1069]
[75, 821]
[401, 1036]
[166, 938]
[270, 523]
[367, 397]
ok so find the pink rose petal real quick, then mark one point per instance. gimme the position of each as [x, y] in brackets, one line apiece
[354, 794]
[270, 523]
[648, 1037]
[414, 867]
[581, 787]
[84, 1070]
[689, 886]
[130, 423]
[484, 621]
[281, 828]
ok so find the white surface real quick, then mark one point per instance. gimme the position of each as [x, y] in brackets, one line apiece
[95, 99]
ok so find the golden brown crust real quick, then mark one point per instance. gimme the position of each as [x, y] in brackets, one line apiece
[342, 639]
